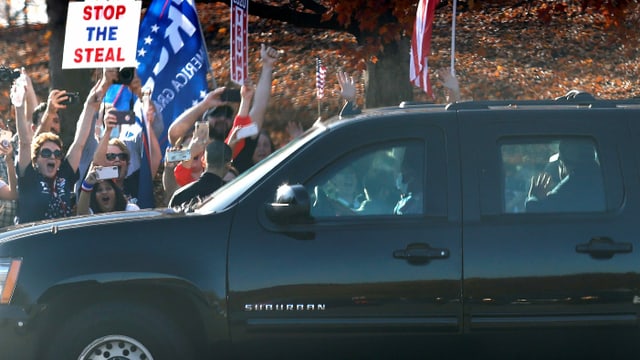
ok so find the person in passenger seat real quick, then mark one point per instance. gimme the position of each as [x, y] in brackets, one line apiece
[581, 189]
[409, 183]
[381, 194]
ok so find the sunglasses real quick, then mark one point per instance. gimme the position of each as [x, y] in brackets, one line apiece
[121, 156]
[46, 153]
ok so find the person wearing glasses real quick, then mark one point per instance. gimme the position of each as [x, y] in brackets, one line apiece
[46, 174]
[115, 152]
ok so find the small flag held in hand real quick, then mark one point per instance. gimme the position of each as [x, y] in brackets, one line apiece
[321, 71]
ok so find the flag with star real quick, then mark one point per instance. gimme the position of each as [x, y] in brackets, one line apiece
[172, 58]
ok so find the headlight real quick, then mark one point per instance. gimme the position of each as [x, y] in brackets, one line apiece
[9, 269]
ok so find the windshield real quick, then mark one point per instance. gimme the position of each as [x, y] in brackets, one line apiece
[227, 195]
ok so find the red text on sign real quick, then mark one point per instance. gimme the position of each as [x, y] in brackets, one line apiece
[98, 55]
[106, 12]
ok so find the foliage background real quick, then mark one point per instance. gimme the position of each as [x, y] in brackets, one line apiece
[503, 51]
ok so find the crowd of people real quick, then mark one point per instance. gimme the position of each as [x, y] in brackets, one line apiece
[103, 169]
[214, 141]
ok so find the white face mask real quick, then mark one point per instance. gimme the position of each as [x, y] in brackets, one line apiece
[401, 185]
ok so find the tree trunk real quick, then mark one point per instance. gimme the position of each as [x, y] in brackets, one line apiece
[387, 80]
[79, 80]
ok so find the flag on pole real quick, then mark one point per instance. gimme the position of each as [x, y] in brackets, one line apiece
[172, 59]
[321, 72]
[421, 45]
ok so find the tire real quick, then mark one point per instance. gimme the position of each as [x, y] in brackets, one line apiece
[124, 331]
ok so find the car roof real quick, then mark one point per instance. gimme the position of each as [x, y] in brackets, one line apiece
[573, 100]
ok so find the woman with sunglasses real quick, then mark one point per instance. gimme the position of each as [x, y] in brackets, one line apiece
[45, 175]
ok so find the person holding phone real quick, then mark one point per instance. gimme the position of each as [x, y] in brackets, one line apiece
[46, 174]
[8, 185]
[129, 115]
[101, 196]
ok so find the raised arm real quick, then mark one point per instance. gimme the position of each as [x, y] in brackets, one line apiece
[84, 199]
[155, 154]
[83, 126]
[54, 104]
[188, 118]
[9, 192]
[25, 135]
[450, 81]
[262, 95]
[31, 100]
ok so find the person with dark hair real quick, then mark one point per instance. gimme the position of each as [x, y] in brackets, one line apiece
[220, 120]
[45, 175]
[581, 187]
[208, 107]
[254, 151]
[101, 196]
[218, 157]
[217, 111]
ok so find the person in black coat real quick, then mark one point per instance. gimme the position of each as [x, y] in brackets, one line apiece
[581, 188]
[218, 156]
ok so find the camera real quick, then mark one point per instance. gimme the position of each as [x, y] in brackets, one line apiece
[72, 98]
[178, 155]
[8, 75]
[125, 75]
[231, 95]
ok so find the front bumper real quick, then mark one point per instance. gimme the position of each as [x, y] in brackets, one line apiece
[16, 341]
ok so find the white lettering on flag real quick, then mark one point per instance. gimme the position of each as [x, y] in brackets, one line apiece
[172, 58]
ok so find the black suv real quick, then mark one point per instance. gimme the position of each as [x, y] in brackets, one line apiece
[401, 231]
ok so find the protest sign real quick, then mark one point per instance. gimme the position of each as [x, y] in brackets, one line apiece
[239, 41]
[101, 34]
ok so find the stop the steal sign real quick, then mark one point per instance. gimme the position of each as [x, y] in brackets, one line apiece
[101, 34]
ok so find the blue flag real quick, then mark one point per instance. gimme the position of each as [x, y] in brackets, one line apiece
[172, 58]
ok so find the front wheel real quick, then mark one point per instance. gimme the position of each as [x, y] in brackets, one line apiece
[119, 331]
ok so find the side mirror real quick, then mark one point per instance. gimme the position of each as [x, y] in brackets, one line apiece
[292, 202]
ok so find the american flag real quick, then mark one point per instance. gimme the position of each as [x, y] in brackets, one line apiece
[321, 72]
[421, 45]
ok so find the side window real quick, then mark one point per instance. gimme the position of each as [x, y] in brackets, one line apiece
[551, 175]
[381, 180]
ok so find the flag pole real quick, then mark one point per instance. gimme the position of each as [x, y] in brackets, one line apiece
[453, 37]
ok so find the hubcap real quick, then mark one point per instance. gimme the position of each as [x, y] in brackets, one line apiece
[115, 347]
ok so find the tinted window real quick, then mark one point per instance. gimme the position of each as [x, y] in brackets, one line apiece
[552, 175]
[380, 180]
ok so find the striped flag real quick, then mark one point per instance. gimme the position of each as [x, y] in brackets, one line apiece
[421, 45]
[321, 72]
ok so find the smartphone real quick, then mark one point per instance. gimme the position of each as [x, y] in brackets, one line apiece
[202, 130]
[72, 98]
[5, 135]
[178, 155]
[124, 117]
[231, 95]
[106, 172]
[246, 131]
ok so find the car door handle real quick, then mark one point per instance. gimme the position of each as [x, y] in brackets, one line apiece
[603, 248]
[420, 253]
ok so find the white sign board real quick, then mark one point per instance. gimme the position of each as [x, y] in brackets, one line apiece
[101, 34]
